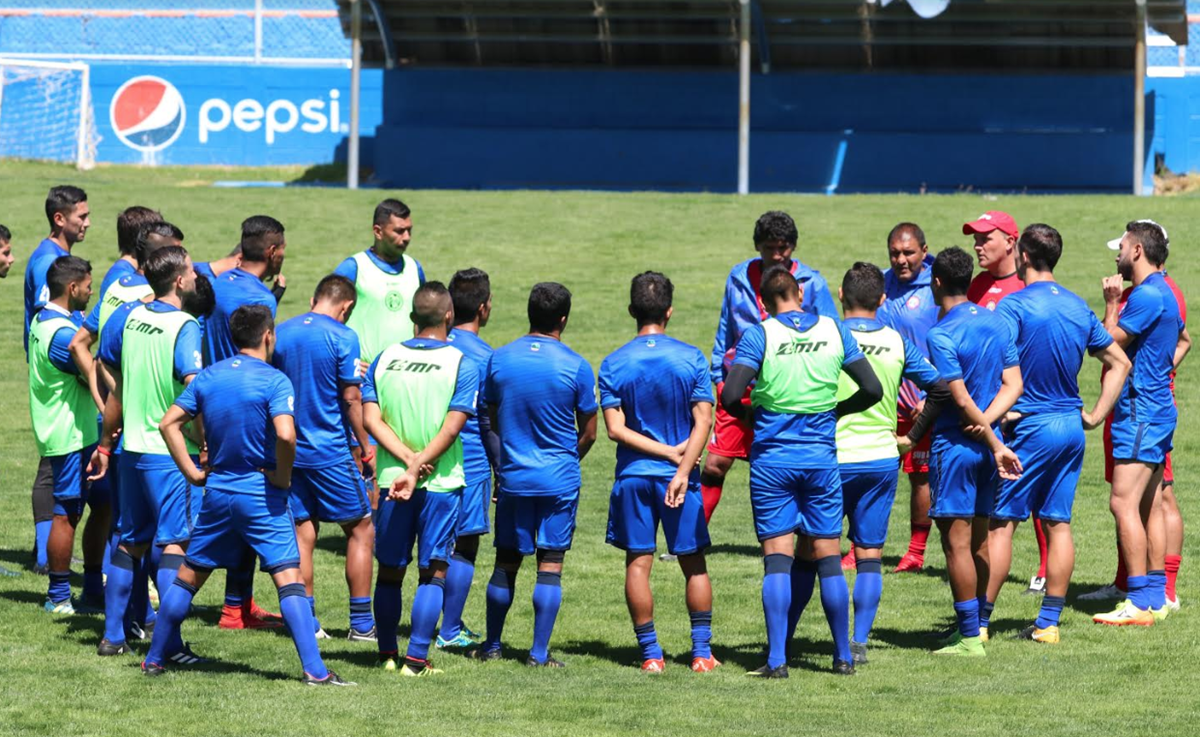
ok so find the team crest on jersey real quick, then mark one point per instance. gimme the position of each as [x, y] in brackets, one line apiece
[535, 347]
[236, 363]
[1053, 290]
[651, 343]
[913, 302]
[973, 310]
[394, 301]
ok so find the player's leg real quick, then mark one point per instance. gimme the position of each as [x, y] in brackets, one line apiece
[915, 465]
[515, 538]
[395, 534]
[686, 533]
[960, 569]
[1037, 583]
[555, 533]
[868, 495]
[178, 504]
[173, 608]
[1115, 591]
[712, 480]
[472, 524]
[69, 500]
[360, 550]
[640, 601]
[1129, 490]
[954, 493]
[1173, 524]
[95, 538]
[303, 504]
[43, 514]
[1060, 564]
[821, 512]
[731, 439]
[137, 527]
[776, 509]
[437, 524]
[632, 527]
[1156, 546]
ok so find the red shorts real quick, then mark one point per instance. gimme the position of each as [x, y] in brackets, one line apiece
[1168, 473]
[731, 437]
[917, 459]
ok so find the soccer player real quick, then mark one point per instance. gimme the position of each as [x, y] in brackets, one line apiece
[775, 238]
[152, 351]
[866, 441]
[542, 400]
[69, 217]
[417, 397]
[1052, 329]
[972, 352]
[319, 355]
[910, 309]
[658, 405]
[1149, 329]
[246, 407]
[471, 293]
[795, 359]
[6, 254]
[64, 427]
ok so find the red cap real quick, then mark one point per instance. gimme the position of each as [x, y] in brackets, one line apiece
[993, 220]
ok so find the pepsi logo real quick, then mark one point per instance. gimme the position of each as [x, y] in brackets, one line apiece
[147, 113]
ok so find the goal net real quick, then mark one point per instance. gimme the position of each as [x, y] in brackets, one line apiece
[46, 112]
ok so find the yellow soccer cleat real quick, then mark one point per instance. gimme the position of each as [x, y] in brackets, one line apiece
[1126, 614]
[969, 647]
[411, 670]
[1048, 635]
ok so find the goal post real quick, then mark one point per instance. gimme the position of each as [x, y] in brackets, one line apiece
[46, 111]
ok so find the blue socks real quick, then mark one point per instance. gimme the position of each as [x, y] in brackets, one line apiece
[427, 607]
[500, 593]
[967, 613]
[835, 600]
[41, 537]
[458, 585]
[648, 641]
[776, 601]
[293, 605]
[1050, 612]
[868, 589]
[547, 598]
[985, 611]
[312, 608]
[60, 586]
[804, 578]
[239, 584]
[175, 604]
[701, 634]
[360, 614]
[1157, 588]
[388, 605]
[116, 594]
[1139, 594]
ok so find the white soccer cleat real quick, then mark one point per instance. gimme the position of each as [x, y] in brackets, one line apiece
[1037, 586]
[1173, 604]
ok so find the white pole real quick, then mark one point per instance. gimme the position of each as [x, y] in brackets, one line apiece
[744, 101]
[258, 36]
[82, 158]
[355, 84]
[1139, 98]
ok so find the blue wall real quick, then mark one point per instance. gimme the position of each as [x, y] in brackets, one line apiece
[657, 130]
[1173, 109]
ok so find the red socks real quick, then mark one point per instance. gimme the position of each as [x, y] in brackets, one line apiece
[916, 544]
[1041, 540]
[1172, 568]
[711, 496]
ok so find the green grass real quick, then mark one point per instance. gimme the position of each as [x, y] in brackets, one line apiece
[1098, 681]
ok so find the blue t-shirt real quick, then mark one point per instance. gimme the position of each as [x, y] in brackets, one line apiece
[793, 440]
[115, 273]
[475, 460]
[60, 353]
[1052, 328]
[917, 368]
[909, 309]
[37, 292]
[1151, 317]
[972, 344]
[92, 323]
[349, 267]
[188, 359]
[239, 397]
[466, 381]
[233, 289]
[319, 355]
[654, 380]
[205, 269]
[537, 384]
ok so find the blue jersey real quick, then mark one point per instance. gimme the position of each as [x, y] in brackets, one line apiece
[537, 385]
[791, 440]
[1151, 317]
[972, 344]
[319, 355]
[233, 289]
[37, 292]
[466, 381]
[349, 267]
[1052, 328]
[187, 359]
[654, 380]
[60, 352]
[115, 273]
[475, 460]
[909, 309]
[205, 269]
[238, 398]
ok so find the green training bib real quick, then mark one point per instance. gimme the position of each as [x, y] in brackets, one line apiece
[60, 403]
[799, 373]
[871, 435]
[148, 383]
[117, 295]
[381, 315]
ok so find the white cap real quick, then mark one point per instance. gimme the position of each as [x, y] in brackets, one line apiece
[1115, 243]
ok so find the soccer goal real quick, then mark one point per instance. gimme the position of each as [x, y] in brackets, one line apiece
[46, 112]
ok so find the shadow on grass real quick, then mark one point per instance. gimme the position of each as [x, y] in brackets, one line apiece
[623, 655]
[1089, 607]
[335, 544]
[16, 560]
[753, 551]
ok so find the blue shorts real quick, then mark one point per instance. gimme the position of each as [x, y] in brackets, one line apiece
[639, 503]
[528, 524]
[334, 493]
[71, 490]
[157, 503]
[1148, 442]
[476, 500]
[962, 478]
[787, 500]
[1051, 451]
[230, 524]
[868, 491]
[428, 519]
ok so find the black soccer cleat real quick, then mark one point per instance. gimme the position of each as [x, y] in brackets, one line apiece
[483, 655]
[186, 656]
[549, 662]
[767, 671]
[842, 668]
[333, 679]
[106, 649]
[152, 670]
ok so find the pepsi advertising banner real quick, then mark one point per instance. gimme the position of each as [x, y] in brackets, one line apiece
[227, 115]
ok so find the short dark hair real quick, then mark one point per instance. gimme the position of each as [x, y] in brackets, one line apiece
[248, 324]
[862, 286]
[390, 208]
[335, 288]
[201, 302]
[428, 304]
[775, 225]
[65, 271]
[907, 230]
[63, 198]
[130, 222]
[1042, 246]
[549, 303]
[953, 268]
[147, 245]
[470, 289]
[650, 296]
[778, 282]
[255, 230]
[5, 234]
[163, 267]
[1153, 239]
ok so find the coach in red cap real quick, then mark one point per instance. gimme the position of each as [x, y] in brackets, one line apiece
[996, 236]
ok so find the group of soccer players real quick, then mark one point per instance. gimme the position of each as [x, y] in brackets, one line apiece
[224, 441]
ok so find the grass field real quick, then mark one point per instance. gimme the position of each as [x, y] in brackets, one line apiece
[1112, 681]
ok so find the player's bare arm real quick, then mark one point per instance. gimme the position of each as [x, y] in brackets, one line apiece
[171, 429]
[586, 423]
[702, 420]
[619, 432]
[285, 452]
[384, 435]
[1118, 365]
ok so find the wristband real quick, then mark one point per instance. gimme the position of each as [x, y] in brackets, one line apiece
[103, 451]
